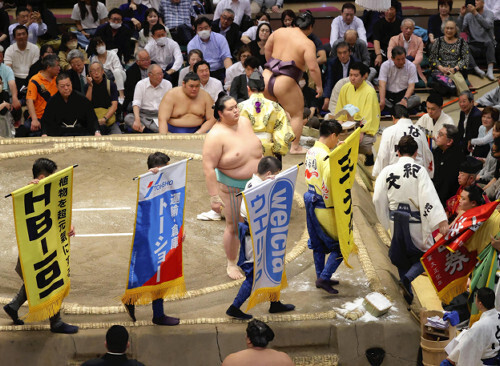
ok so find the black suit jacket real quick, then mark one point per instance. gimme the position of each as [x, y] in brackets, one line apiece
[133, 77]
[233, 35]
[446, 167]
[239, 89]
[334, 72]
[121, 40]
[472, 129]
[75, 79]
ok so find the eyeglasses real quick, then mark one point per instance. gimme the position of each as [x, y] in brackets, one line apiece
[441, 134]
[225, 17]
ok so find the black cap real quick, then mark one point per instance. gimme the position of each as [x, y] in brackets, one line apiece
[471, 165]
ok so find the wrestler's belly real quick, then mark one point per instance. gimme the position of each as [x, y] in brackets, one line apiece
[240, 166]
[187, 120]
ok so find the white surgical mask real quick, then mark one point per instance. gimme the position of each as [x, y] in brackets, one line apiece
[204, 34]
[72, 45]
[115, 25]
[259, 22]
[100, 49]
[162, 42]
[302, 83]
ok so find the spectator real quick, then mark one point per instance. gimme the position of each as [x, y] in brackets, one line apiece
[21, 55]
[214, 47]
[437, 20]
[481, 145]
[288, 18]
[41, 88]
[258, 336]
[9, 83]
[467, 173]
[78, 71]
[239, 85]
[239, 7]
[176, 16]
[251, 33]
[487, 173]
[491, 99]
[470, 119]
[69, 42]
[359, 50]
[391, 136]
[337, 68]
[479, 24]
[257, 47]
[412, 43]
[494, 7]
[193, 57]
[447, 159]
[116, 345]
[238, 68]
[147, 97]
[397, 81]
[492, 189]
[383, 30]
[358, 93]
[103, 95]
[435, 118]
[32, 21]
[165, 52]
[152, 18]
[88, 15]
[209, 84]
[347, 20]
[336, 91]
[134, 14]
[69, 113]
[265, 5]
[46, 49]
[226, 26]
[111, 63]
[135, 73]
[115, 35]
[48, 19]
[6, 125]
[4, 28]
[450, 53]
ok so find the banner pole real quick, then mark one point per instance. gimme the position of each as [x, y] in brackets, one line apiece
[135, 178]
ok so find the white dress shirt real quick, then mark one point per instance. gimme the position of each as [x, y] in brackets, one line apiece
[213, 87]
[240, 8]
[147, 97]
[398, 79]
[21, 61]
[164, 56]
[339, 27]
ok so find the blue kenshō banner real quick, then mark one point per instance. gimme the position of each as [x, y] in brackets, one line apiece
[269, 206]
[156, 260]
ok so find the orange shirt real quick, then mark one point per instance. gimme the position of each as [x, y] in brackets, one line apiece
[39, 91]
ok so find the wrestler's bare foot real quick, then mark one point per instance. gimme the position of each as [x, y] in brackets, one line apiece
[297, 150]
[234, 272]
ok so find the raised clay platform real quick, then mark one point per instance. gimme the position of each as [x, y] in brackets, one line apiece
[314, 334]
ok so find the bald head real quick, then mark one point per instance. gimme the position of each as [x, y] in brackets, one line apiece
[142, 59]
[351, 36]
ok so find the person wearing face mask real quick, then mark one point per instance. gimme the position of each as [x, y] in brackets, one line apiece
[111, 63]
[69, 42]
[165, 52]
[116, 35]
[214, 47]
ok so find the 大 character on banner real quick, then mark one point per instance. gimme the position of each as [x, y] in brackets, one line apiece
[42, 215]
[268, 168]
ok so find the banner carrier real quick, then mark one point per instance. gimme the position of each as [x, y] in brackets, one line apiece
[74, 166]
[135, 178]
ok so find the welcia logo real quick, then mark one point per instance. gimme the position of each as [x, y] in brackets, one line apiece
[157, 185]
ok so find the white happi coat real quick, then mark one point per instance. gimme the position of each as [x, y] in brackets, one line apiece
[408, 182]
[481, 341]
[387, 153]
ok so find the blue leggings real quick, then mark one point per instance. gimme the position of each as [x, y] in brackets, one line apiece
[246, 286]
[325, 271]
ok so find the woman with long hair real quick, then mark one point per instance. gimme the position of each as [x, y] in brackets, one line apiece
[88, 15]
[69, 41]
[257, 47]
[152, 17]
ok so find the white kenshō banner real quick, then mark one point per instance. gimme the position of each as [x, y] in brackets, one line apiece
[269, 206]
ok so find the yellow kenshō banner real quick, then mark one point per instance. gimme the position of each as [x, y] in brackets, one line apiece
[343, 161]
[42, 217]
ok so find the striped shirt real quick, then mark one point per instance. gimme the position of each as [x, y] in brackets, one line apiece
[177, 14]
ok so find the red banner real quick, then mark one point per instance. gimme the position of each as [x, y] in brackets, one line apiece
[449, 263]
